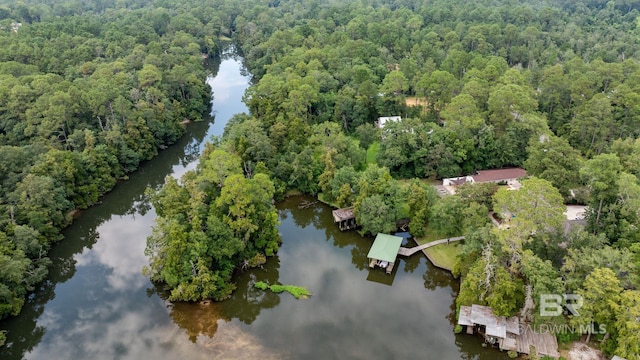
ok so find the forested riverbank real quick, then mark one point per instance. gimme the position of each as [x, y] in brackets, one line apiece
[88, 92]
[548, 85]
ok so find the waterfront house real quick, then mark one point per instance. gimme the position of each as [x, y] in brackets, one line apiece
[507, 176]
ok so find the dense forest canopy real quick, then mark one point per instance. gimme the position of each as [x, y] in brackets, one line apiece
[87, 93]
[90, 89]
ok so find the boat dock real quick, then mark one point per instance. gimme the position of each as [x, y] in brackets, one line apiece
[345, 218]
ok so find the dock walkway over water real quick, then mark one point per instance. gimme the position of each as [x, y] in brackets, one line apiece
[410, 251]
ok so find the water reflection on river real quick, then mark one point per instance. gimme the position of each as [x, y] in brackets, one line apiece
[97, 305]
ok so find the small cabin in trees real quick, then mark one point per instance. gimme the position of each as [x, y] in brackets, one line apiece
[384, 119]
[380, 123]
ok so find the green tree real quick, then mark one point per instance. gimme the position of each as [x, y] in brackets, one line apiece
[246, 205]
[507, 293]
[367, 134]
[218, 165]
[628, 151]
[462, 114]
[542, 277]
[344, 186]
[447, 216]
[593, 127]
[475, 216]
[421, 197]
[480, 193]
[13, 267]
[580, 262]
[395, 83]
[41, 204]
[601, 293]
[553, 159]
[509, 103]
[627, 324]
[600, 174]
[438, 88]
[488, 283]
[535, 211]
[534, 208]
[375, 215]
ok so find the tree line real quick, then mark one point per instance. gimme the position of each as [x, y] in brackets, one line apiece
[88, 92]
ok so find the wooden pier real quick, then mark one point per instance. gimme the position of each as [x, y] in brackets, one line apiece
[410, 251]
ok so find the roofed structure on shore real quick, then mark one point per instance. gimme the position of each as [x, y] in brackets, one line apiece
[499, 175]
[495, 326]
[509, 176]
[507, 334]
[345, 218]
[384, 251]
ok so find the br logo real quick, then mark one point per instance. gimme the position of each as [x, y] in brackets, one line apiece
[554, 304]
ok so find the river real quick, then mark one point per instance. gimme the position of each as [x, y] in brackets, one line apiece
[96, 304]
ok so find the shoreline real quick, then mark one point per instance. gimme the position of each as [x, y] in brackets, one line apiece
[434, 262]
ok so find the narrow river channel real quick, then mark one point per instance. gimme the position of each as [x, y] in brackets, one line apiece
[96, 304]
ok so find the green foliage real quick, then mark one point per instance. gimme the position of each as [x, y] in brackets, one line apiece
[344, 186]
[375, 216]
[627, 324]
[215, 222]
[367, 134]
[554, 160]
[487, 283]
[261, 285]
[535, 208]
[601, 293]
[297, 291]
[420, 198]
[580, 262]
[105, 89]
[378, 202]
[447, 216]
[475, 241]
[507, 293]
[480, 193]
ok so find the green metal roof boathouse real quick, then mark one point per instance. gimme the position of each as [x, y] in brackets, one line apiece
[384, 251]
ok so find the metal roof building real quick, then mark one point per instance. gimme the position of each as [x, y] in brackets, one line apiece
[384, 251]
